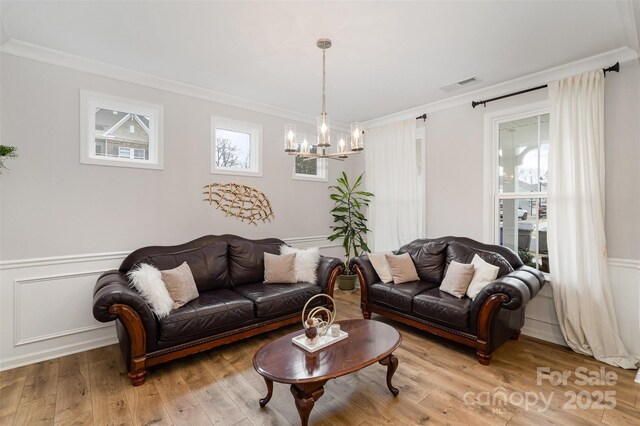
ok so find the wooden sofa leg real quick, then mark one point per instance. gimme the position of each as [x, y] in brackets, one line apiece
[483, 357]
[138, 377]
[516, 335]
[365, 314]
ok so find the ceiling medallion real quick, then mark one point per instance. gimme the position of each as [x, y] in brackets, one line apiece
[301, 146]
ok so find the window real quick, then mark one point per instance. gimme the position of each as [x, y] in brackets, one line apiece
[310, 168]
[120, 132]
[235, 147]
[518, 194]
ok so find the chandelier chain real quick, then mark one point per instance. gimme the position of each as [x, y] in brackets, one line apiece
[324, 78]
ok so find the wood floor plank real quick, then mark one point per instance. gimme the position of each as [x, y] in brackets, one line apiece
[241, 391]
[181, 404]
[41, 381]
[73, 396]
[40, 411]
[84, 419]
[10, 392]
[622, 414]
[108, 399]
[210, 394]
[145, 404]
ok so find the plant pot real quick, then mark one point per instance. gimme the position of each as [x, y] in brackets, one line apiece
[347, 282]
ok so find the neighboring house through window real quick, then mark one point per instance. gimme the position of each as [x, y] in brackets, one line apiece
[120, 132]
[517, 152]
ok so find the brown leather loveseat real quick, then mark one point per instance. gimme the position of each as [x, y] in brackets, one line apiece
[233, 301]
[495, 315]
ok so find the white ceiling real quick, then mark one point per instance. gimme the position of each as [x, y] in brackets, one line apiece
[386, 56]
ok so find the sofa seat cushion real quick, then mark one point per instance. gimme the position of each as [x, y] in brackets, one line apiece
[273, 299]
[214, 310]
[397, 296]
[443, 308]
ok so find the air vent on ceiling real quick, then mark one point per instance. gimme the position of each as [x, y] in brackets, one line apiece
[459, 84]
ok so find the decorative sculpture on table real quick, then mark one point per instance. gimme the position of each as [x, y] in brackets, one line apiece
[240, 201]
[317, 322]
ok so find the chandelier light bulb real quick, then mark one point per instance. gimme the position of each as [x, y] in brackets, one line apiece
[290, 135]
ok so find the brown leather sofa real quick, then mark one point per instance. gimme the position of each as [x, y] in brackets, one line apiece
[233, 304]
[495, 315]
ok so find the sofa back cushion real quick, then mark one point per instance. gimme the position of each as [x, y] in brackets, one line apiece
[206, 257]
[464, 254]
[429, 258]
[246, 259]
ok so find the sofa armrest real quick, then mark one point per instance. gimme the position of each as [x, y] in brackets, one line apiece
[112, 289]
[515, 291]
[363, 264]
[328, 270]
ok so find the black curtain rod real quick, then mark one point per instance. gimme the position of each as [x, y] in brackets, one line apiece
[422, 117]
[615, 68]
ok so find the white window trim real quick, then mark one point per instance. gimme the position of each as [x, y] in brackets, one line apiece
[492, 122]
[322, 167]
[91, 100]
[255, 130]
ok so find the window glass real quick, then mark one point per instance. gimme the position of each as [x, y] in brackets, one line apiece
[521, 213]
[235, 147]
[120, 132]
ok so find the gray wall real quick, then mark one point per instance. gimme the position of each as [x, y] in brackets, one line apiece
[52, 205]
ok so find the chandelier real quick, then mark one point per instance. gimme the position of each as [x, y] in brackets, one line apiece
[301, 145]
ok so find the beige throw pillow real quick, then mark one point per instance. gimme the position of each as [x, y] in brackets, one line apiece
[279, 269]
[180, 284]
[483, 274]
[457, 279]
[380, 264]
[402, 268]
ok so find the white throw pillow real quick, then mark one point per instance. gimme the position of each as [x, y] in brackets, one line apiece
[306, 265]
[380, 264]
[457, 279]
[147, 280]
[483, 274]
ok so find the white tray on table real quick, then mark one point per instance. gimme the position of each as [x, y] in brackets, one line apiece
[323, 341]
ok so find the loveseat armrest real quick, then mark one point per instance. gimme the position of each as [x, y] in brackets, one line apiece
[111, 291]
[328, 270]
[363, 266]
[516, 292]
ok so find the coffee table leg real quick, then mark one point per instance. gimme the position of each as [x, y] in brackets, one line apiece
[267, 398]
[392, 365]
[305, 395]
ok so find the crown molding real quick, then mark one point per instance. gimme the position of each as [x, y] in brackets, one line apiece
[79, 63]
[629, 12]
[602, 60]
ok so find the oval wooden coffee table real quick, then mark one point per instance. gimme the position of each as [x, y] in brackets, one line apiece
[282, 361]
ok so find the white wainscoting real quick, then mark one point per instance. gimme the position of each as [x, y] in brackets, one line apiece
[541, 320]
[46, 303]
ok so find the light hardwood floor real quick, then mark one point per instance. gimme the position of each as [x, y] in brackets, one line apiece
[440, 383]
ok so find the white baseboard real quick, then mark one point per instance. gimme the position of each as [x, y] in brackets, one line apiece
[56, 352]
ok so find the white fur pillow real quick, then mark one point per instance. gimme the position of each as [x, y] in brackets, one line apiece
[147, 279]
[306, 264]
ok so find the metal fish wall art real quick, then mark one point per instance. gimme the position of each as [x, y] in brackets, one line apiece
[240, 201]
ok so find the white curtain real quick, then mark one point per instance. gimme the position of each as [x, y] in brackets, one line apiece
[392, 176]
[576, 237]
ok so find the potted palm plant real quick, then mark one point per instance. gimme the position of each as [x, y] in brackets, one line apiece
[350, 223]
